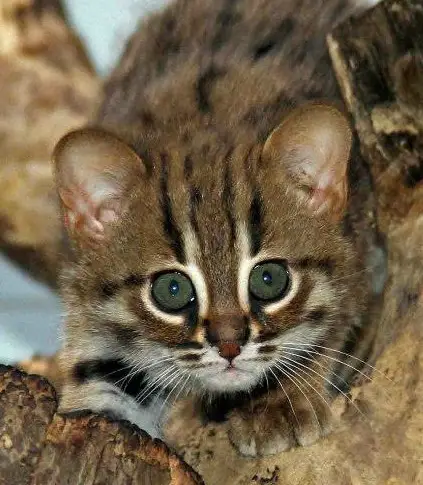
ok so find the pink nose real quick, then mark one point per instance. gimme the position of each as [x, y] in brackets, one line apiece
[229, 350]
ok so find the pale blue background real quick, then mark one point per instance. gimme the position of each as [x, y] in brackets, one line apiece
[30, 316]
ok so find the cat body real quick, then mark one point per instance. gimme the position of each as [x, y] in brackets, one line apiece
[222, 227]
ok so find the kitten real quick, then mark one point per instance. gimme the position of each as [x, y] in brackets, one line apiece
[222, 227]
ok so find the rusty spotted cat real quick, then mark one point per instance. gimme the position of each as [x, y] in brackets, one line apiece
[220, 220]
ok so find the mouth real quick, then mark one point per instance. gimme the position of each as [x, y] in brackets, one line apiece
[231, 369]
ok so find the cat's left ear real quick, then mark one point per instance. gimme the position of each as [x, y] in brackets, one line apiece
[94, 172]
[313, 144]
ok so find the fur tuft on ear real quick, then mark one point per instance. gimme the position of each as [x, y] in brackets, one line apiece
[94, 171]
[313, 144]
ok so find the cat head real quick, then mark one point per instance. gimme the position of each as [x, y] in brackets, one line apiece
[203, 263]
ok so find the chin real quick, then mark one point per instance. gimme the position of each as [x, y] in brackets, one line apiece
[230, 380]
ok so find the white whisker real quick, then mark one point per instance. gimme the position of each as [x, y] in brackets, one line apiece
[331, 358]
[295, 370]
[151, 386]
[161, 386]
[267, 386]
[309, 369]
[162, 407]
[324, 368]
[291, 378]
[308, 344]
[283, 389]
[140, 368]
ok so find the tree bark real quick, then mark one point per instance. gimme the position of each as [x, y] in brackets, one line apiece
[39, 447]
[378, 61]
[47, 87]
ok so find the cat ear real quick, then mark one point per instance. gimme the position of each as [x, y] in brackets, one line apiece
[313, 144]
[94, 171]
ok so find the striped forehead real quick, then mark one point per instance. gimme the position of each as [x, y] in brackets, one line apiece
[208, 200]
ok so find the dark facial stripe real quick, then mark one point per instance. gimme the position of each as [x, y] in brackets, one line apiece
[169, 225]
[110, 288]
[228, 199]
[204, 87]
[325, 265]
[190, 357]
[267, 349]
[226, 19]
[257, 311]
[256, 223]
[275, 40]
[113, 371]
[265, 337]
[316, 315]
[195, 198]
[188, 168]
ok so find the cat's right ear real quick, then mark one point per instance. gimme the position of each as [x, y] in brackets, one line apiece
[94, 173]
[312, 145]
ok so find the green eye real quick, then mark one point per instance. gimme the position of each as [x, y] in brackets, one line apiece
[172, 291]
[269, 281]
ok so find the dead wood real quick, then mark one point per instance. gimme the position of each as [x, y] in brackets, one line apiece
[39, 447]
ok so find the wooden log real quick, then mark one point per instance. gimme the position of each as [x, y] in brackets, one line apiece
[47, 87]
[39, 447]
[378, 60]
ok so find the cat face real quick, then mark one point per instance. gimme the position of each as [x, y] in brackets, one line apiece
[208, 267]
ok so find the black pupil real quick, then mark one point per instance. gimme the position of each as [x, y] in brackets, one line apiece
[173, 287]
[267, 278]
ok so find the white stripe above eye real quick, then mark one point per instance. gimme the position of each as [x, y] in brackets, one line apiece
[247, 263]
[193, 271]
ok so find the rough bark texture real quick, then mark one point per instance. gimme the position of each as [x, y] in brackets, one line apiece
[47, 87]
[378, 60]
[39, 447]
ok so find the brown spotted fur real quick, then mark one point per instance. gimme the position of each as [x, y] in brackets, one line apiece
[199, 89]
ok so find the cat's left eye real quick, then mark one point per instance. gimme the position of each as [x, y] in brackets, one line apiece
[269, 281]
[172, 291]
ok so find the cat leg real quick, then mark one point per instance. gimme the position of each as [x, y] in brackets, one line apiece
[277, 422]
[103, 398]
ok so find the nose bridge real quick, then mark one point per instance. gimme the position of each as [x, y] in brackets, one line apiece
[227, 328]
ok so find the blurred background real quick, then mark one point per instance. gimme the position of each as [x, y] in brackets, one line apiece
[30, 315]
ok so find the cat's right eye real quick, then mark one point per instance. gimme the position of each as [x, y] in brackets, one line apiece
[172, 291]
[269, 281]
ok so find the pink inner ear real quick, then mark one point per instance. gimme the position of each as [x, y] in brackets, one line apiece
[80, 214]
[94, 171]
[324, 172]
[330, 198]
[313, 145]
